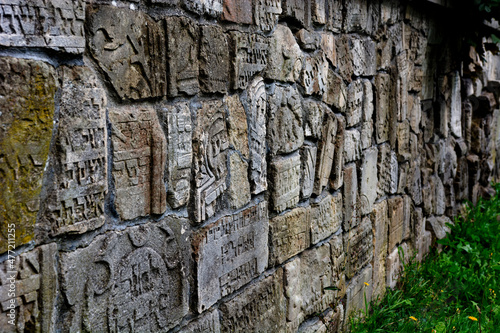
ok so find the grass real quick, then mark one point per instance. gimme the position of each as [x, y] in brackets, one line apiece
[452, 291]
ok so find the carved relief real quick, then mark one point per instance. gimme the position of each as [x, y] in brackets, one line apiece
[231, 252]
[250, 57]
[257, 100]
[35, 277]
[299, 10]
[369, 180]
[286, 62]
[210, 7]
[210, 144]
[387, 166]
[214, 60]
[81, 157]
[325, 217]
[308, 157]
[326, 148]
[285, 172]
[128, 281]
[266, 13]
[284, 124]
[314, 114]
[27, 90]
[315, 74]
[130, 49]
[355, 98]
[176, 122]
[56, 25]
[139, 158]
[382, 98]
[359, 247]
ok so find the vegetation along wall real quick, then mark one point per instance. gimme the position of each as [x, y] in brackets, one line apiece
[213, 166]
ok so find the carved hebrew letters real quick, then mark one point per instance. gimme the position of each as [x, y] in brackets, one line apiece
[325, 217]
[359, 247]
[139, 148]
[50, 24]
[210, 144]
[214, 60]
[286, 181]
[308, 156]
[266, 13]
[130, 49]
[250, 57]
[27, 90]
[382, 112]
[231, 252]
[315, 74]
[326, 150]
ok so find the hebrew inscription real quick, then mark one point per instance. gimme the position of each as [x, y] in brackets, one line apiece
[214, 60]
[308, 157]
[285, 173]
[326, 217]
[250, 57]
[266, 13]
[326, 148]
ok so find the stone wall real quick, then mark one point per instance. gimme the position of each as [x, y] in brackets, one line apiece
[213, 166]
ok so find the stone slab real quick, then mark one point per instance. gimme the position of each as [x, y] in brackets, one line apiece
[358, 244]
[286, 62]
[380, 240]
[239, 186]
[351, 218]
[266, 13]
[314, 74]
[250, 57]
[358, 291]
[214, 60]
[326, 217]
[396, 221]
[209, 322]
[285, 175]
[237, 125]
[308, 158]
[326, 149]
[238, 11]
[369, 180]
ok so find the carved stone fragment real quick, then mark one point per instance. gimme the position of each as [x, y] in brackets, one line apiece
[250, 57]
[366, 134]
[396, 221]
[238, 11]
[338, 160]
[299, 10]
[355, 103]
[329, 48]
[326, 148]
[344, 58]
[352, 145]
[285, 173]
[183, 37]
[456, 106]
[237, 125]
[357, 16]
[358, 291]
[266, 13]
[208, 322]
[56, 25]
[351, 218]
[128, 280]
[314, 74]
[129, 47]
[286, 62]
[395, 264]
[285, 133]
[289, 234]
[239, 187]
[338, 265]
[383, 104]
[358, 247]
[335, 17]
[36, 288]
[314, 114]
[230, 253]
[363, 56]
[210, 144]
[80, 163]
[380, 226]
[387, 171]
[214, 60]
[326, 217]
[308, 40]
[139, 156]
[27, 90]
[369, 180]
[308, 157]
[336, 92]
[318, 12]
[211, 7]
[404, 140]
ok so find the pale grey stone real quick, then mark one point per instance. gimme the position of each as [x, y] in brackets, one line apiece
[367, 101]
[318, 12]
[308, 40]
[415, 112]
[352, 145]
[336, 93]
[335, 8]
[351, 218]
[363, 56]
[286, 62]
[387, 171]
[357, 16]
[380, 227]
[404, 140]
[266, 13]
[326, 149]
[330, 321]
[355, 103]
[329, 48]
[338, 262]
[396, 221]
[299, 10]
[338, 161]
[210, 7]
[358, 292]
[358, 244]
[250, 57]
[369, 180]
[439, 197]
[314, 75]
[285, 174]
[314, 114]
[456, 106]
[308, 157]
[207, 322]
[395, 264]
[326, 217]
[344, 55]
[237, 125]
[382, 102]
[366, 134]
[239, 187]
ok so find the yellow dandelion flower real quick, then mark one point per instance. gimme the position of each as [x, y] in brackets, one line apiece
[367, 284]
[472, 318]
[433, 331]
[413, 318]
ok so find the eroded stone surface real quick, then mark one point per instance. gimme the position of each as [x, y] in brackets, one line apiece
[380, 226]
[308, 157]
[314, 74]
[351, 218]
[314, 113]
[285, 173]
[396, 219]
[209, 322]
[286, 62]
[239, 187]
[355, 101]
[239, 11]
[210, 7]
[266, 13]
[352, 145]
[358, 291]
[326, 217]
[382, 114]
[237, 125]
[214, 60]
[336, 92]
[326, 148]
[250, 57]
[27, 90]
[338, 158]
[387, 171]
[369, 180]
[358, 243]
[363, 56]
[395, 264]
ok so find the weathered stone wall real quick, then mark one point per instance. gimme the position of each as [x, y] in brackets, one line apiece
[214, 165]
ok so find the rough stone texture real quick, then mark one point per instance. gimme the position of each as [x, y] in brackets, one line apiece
[210, 144]
[358, 291]
[289, 234]
[314, 74]
[355, 103]
[134, 58]
[257, 101]
[230, 253]
[211, 7]
[438, 226]
[352, 145]
[239, 187]
[369, 180]
[380, 241]
[128, 280]
[56, 25]
[250, 57]
[27, 90]
[214, 60]
[387, 171]
[177, 125]
[266, 13]
[306, 278]
[363, 57]
[336, 92]
[314, 115]
[208, 322]
[338, 158]
[328, 46]
[285, 175]
[351, 217]
[237, 125]
[284, 124]
[358, 244]
[308, 40]
[286, 63]
[326, 148]
[338, 265]
[260, 308]
[344, 58]
[330, 321]
[139, 159]
[239, 11]
[308, 158]
[80, 161]
[326, 217]
[395, 264]
[298, 10]
[396, 221]
[382, 114]
[335, 15]
[36, 289]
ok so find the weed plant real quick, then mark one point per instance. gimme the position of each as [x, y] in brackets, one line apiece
[451, 291]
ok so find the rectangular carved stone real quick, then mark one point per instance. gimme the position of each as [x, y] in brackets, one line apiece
[27, 90]
[338, 265]
[305, 280]
[336, 91]
[404, 140]
[257, 104]
[396, 219]
[369, 180]
[326, 148]
[355, 101]
[335, 17]
[382, 114]
[239, 187]
[250, 57]
[308, 157]
[209, 322]
[344, 58]
[285, 172]
[352, 145]
[395, 264]
[351, 218]
[36, 289]
[314, 115]
[289, 234]
[314, 74]
[387, 171]
[237, 124]
[329, 48]
[266, 13]
[318, 13]
[183, 36]
[380, 227]
[57, 25]
[230, 253]
[326, 217]
[214, 60]
[128, 280]
[358, 292]
[358, 245]
[134, 58]
[81, 162]
[176, 122]
[337, 180]
[285, 131]
[139, 156]
[299, 10]
[363, 56]
[210, 145]
[211, 7]
[456, 106]
[239, 11]
[286, 62]
[259, 308]
[357, 16]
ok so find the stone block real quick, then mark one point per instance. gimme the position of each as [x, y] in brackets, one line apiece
[358, 245]
[344, 54]
[330, 321]
[314, 115]
[314, 74]
[230, 253]
[363, 56]
[326, 148]
[404, 140]
[456, 106]
[36, 289]
[352, 145]
[257, 105]
[338, 158]
[210, 145]
[285, 175]
[289, 234]
[395, 262]
[134, 59]
[266, 13]
[56, 25]
[210, 7]
[80, 162]
[415, 112]
[369, 180]
[177, 125]
[338, 265]
[308, 40]
[328, 46]
[239, 187]
[250, 57]
[366, 134]
[130, 279]
[207, 322]
[351, 218]
[139, 158]
[286, 62]
[214, 60]
[355, 103]
[382, 107]
[357, 16]
[318, 12]
[336, 91]
[259, 308]
[298, 10]
[387, 171]
[27, 91]
[335, 16]
[308, 158]
[360, 289]
[238, 11]
[380, 241]
[326, 217]
[237, 125]
[438, 226]
[367, 101]
[396, 221]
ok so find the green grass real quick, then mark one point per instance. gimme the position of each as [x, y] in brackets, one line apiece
[443, 291]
